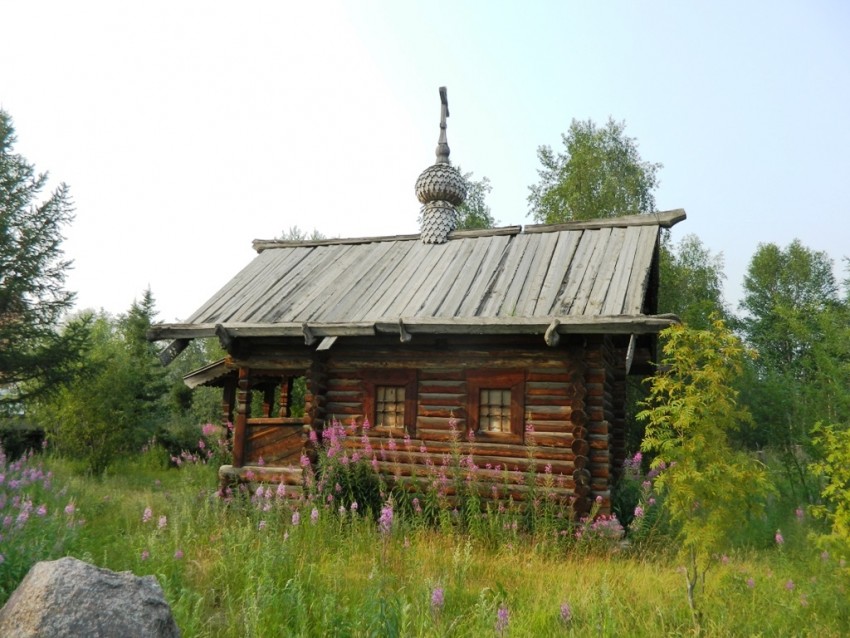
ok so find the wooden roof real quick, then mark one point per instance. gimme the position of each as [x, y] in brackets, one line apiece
[581, 276]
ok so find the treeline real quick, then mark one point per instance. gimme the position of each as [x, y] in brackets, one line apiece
[118, 396]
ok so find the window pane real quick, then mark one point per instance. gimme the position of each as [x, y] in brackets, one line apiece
[494, 410]
[389, 406]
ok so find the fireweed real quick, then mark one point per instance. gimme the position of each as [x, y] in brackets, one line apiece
[38, 519]
[238, 577]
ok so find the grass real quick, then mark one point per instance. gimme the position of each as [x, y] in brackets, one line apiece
[242, 568]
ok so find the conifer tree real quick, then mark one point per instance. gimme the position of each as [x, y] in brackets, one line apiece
[35, 355]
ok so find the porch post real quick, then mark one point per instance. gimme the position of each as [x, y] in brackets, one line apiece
[242, 409]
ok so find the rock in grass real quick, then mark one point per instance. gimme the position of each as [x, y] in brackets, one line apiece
[68, 597]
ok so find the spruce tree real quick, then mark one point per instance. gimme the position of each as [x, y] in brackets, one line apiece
[35, 355]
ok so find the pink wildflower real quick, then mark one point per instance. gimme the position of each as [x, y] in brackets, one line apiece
[314, 516]
[296, 517]
[385, 522]
[502, 619]
[437, 599]
[262, 525]
[145, 554]
[147, 515]
[790, 585]
[178, 554]
[778, 538]
[751, 582]
[163, 522]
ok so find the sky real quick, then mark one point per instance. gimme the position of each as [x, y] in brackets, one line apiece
[187, 129]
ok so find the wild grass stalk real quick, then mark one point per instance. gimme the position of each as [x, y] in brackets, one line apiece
[262, 563]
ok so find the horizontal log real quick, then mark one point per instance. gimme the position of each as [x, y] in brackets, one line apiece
[344, 395]
[531, 401]
[288, 475]
[441, 412]
[547, 387]
[553, 440]
[338, 384]
[339, 411]
[441, 374]
[542, 427]
[442, 398]
[546, 412]
[599, 428]
[599, 471]
[547, 375]
[442, 386]
[439, 422]
[275, 421]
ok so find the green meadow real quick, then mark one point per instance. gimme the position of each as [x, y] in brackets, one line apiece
[279, 564]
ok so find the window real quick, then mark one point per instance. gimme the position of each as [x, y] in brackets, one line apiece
[495, 404]
[389, 406]
[389, 399]
[494, 410]
[276, 395]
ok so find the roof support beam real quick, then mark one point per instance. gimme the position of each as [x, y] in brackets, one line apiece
[172, 350]
[404, 335]
[551, 336]
[326, 343]
[630, 352]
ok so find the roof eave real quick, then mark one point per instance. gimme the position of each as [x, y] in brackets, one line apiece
[599, 324]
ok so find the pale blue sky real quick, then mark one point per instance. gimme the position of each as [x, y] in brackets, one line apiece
[186, 130]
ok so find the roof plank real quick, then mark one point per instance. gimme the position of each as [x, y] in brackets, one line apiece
[601, 286]
[639, 278]
[620, 280]
[567, 271]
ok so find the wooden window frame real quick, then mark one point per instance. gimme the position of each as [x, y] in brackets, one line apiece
[406, 378]
[513, 380]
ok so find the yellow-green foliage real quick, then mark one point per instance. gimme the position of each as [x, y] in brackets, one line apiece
[834, 443]
[691, 408]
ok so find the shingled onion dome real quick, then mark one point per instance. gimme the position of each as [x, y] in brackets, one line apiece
[440, 188]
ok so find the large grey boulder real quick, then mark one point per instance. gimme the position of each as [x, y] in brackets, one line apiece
[68, 597]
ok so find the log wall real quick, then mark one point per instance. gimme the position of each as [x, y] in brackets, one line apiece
[572, 396]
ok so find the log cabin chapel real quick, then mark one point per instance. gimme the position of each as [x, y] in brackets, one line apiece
[487, 331]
